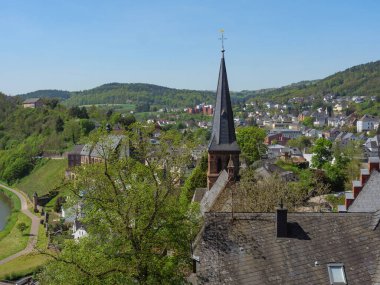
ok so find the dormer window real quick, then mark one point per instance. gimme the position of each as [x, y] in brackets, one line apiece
[336, 274]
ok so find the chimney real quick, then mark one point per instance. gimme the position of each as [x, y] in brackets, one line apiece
[281, 221]
[349, 199]
[364, 175]
[357, 186]
[373, 164]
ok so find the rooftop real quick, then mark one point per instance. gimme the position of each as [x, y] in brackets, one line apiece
[246, 251]
[368, 199]
[31, 100]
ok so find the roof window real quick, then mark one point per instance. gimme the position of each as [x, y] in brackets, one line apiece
[337, 274]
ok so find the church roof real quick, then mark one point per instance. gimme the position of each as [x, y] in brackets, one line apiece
[223, 137]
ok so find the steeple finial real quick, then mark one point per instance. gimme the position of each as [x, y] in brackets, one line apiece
[222, 38]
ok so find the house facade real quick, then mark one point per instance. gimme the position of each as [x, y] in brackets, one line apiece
[366, 123]
[32, 103]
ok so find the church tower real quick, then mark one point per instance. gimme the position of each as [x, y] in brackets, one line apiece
[222, 146]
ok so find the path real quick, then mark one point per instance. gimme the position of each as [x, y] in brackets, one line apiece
[33, 229]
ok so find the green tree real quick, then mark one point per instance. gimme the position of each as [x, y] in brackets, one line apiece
[72, 131]
[59, 125]
[322, 153]
[139, 221]
[301, 142]
[197, 178]
[308, 122]
[87, 126]
[127, 120]
[251, 142]
[19, 168]
[22, 227]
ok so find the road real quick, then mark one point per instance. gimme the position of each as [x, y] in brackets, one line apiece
[33, 229]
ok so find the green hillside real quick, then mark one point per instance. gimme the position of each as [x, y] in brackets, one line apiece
[44, 178]
[60, 94]
[139, 94]
[360, 80]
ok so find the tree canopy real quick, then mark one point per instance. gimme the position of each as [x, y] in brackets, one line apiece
[251, 142]
[139, 221]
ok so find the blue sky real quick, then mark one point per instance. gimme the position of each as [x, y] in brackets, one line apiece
[80, 44]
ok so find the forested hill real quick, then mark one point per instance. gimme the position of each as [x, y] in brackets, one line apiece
[60, 94]
[359, 80]
[138, 93]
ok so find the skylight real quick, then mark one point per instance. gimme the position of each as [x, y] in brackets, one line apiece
[337, 274]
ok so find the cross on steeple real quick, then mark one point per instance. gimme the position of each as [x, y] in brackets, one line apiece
[222, 38]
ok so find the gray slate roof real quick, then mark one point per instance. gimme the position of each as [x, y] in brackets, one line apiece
[31, 100]
[212, 195]
[368, 199]
[223, 135]
[245, 250]
[77, 149]
[102, 148]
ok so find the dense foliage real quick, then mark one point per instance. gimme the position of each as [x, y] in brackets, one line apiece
[139, 221]
[251, 142]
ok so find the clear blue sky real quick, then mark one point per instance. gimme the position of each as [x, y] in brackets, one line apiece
[80, 44]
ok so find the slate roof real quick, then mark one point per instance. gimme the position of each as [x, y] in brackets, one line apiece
[245, 250]
[198, 194]
[368, 118]
[368, 199]
[77, 149]
[212, 195]
[102, 148]
[223, 137]
[31, 100]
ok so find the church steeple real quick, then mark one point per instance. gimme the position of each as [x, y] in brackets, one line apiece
[223, 135]
[223, 145]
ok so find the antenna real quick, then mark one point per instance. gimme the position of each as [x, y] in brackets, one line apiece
[222, 38]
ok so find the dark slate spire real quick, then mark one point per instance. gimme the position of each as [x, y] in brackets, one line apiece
[223, 136]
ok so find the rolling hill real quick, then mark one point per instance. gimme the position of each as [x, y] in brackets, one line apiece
[359, 80]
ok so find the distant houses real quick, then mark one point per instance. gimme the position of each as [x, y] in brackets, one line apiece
[32, 103]
[201, 109]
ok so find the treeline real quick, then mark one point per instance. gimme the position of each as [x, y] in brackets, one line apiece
[139, 94]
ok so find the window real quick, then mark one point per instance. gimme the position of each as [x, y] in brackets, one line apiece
[337, 274]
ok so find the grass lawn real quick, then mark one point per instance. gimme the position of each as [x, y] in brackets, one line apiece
[15, 241]
[27, 264]
[45, 178]
[22, 266]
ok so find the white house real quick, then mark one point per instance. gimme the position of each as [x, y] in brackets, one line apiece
[79, 230]
[366, 123]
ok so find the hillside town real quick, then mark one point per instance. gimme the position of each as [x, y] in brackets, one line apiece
[141, 144]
